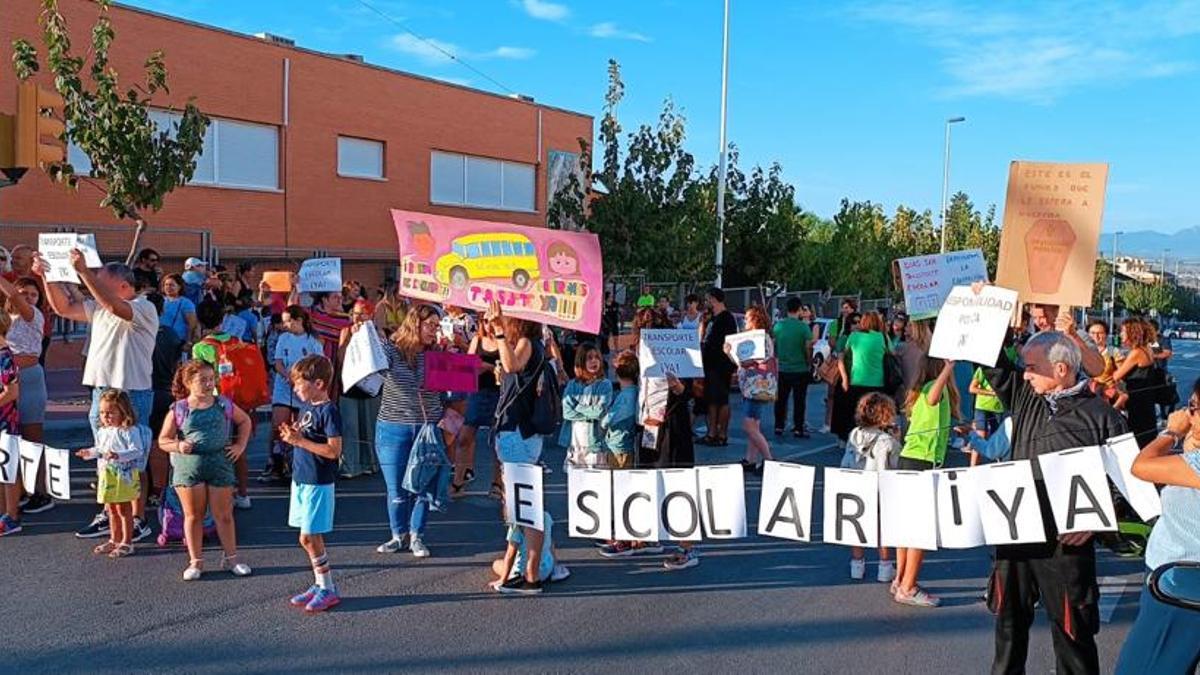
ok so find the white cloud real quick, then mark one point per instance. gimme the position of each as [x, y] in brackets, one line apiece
[513, 53]
[608, 30]
[546, 11]
[1045, 50]
[434, 52]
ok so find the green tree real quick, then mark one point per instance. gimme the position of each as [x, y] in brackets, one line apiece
[135, 163]
[1142, 298]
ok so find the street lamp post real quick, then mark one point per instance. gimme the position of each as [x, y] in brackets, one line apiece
[721, 156]
[1112, 294]
[946, 175]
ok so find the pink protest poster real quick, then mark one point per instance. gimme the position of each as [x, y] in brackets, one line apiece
[447, 371]
[549, 276]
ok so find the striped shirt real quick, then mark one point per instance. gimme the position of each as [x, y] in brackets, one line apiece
[328, 329]
[403, 395]
[1176, 535]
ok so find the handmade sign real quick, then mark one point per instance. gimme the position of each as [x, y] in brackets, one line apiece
[1118, 455]
[321, 275]
[785, 510]
[635, 505]
[87, 246]
[959, 523]
[589, 503]
[972, 327]
[928, 279]
[31, 458]
[677, 351]
[1078, 490]
[851, 508]
[447, 371]
[523, 503]
[55, 248]
[58, 472]
[278, 282]
[548, 276]
[1008, 504]
[750, 345]
[364, 357]
[679, 510]
[1052, 218]
[723, 494]
[908, 509]
[10, 457]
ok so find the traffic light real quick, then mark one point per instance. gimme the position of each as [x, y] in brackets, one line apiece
[38, 137]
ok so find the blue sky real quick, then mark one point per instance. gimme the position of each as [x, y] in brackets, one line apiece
[849, 98]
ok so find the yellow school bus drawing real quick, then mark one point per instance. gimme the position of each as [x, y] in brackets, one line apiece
[489, 256]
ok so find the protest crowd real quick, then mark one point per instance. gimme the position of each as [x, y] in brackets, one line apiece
[183, 367]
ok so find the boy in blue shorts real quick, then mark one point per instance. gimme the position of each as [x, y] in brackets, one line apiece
[316, 438]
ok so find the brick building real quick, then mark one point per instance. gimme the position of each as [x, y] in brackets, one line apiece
[307, 151]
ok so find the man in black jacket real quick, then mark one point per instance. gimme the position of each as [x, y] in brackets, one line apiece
[1053, 409]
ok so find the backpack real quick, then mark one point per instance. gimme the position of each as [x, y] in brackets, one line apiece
[180, 411]
[170, 519]
[241, 373]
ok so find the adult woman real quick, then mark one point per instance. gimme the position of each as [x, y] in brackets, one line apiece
[359, 409]
[389, 313]
[25, 341]
[758, 450]
[481, 406]
[691, 314]
[405, 408]
[865, 350]
[897, 328]
[911, 354]
[179, 313]
[1137, 372]
[1163, 637]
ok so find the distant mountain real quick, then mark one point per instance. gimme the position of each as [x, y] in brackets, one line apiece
[1184, 244]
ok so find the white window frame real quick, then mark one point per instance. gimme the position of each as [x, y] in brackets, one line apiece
[382, 177]
[465, 203]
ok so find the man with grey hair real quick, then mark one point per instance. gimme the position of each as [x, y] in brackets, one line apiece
[1053, 409]
[122, 326]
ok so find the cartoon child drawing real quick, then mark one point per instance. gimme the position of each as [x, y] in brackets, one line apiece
[564, 262]
[422, 240]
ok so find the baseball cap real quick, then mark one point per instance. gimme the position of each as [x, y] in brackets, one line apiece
[192, 263]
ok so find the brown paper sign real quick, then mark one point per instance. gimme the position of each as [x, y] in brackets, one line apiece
[279, 282]
[1051, 231]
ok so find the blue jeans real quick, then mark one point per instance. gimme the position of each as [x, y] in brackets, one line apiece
[143, 405]
[1162, 640]
[393, 445]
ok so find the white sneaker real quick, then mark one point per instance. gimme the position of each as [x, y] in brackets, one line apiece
[858, 569]
[241, 502]
[560, 572]
[393, 545]
[887, 572]
[191, 573]
[418, 548]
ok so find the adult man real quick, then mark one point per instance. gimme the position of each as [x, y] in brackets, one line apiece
[1163, 350]
[793, 346]
[646, 299]
[1048, 318]
[146, 273]
[195, 277]
[718, 369]
[122, 326]
[1053, 409]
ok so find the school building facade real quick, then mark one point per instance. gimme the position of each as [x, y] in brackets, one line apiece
[307, 151]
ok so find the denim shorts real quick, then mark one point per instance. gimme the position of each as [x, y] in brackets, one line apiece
[511, 447]
[481, 408]
[753, 410]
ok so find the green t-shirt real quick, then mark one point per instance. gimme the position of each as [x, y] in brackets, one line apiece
[866, 361]
[646, 300]
[985, 402]
[928, 429]
[208, 353]
[791, 345]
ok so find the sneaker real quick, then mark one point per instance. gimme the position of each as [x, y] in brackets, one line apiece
[918, 598]
[322, 600]
[304, 598]
[520, 587]
[97, 528]
[858, 569]
[468, 476]
[559, 573]
[617, 549]
[140, 530]
[887, 572]
[37, 504]
[270, 476]
[779, 432]
[241, 502]
[192, 573]
[682, 560]
[418, 548]
[9, 526]
[24, 500]
[393, 545]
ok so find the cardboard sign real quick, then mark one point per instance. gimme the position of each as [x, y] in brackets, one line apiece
[785, 510]
[662, 351]
[55, 248]
[908, 509]
[535, 273]
[750, 345]
[928, 279]
[278, 282]
[1008, 504]
[10, 457]
[447, 371]
[523, 495]
[58, 472]
[364, 357]
[972, 327]
[959, 523]
[635, 505]
[679, 510]
[1052, 218]
[723, 497]
[1078, 490]
[851, 508]
[1118, 455]
[589, 503]
[31, 457]
[321, 275]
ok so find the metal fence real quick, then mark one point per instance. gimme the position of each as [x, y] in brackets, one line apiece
[174, 244]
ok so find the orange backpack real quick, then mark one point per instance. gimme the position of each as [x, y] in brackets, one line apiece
[241, 373]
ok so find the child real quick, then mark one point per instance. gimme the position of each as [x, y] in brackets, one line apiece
[988, 409]
[122, 446]
[316, 439]
[928, 407]
[10, 423]
[293, 344]
[510, 570]
[585, 402]
[620, 422]
[872, 446]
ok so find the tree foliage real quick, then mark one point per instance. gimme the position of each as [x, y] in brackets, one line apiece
[1140, 298]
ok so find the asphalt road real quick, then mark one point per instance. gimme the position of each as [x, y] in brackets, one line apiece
[753, 605]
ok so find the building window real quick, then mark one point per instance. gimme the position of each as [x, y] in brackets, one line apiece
[359, 158]
[463, 180]
[235, 154]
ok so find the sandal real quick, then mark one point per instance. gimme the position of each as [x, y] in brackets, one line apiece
[120, 551]
[105, 548]
[238, 569]
[193, 570]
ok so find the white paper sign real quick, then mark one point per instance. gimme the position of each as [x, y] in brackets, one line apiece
[86, 243]
[58, 472]
[635, 505]
[972, 327]
[589, 503]
[927, 279]
[364, 357]
[321, 275]
[31, 457]
[1078, 490]
[749, 345]
[959, 524]
[55, 248]
[785, 510]
[662, 351]
[1118, 457]
[679, 513]
[851, 508]
[10, 457]
[523, 495]
[1008, 504]
[908, 509]
[723, 494]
